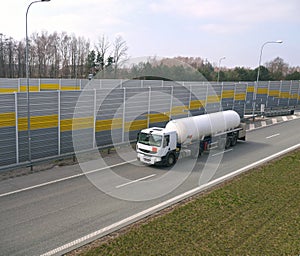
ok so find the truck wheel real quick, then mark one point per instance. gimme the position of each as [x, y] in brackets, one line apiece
[228, 142]
[234, 140]
[170, 160]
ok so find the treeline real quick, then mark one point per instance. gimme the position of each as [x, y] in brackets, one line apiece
[59, 55]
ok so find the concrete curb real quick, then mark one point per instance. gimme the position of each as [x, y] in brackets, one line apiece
[267, 121]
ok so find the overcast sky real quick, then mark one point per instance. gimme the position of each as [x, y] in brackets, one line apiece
[209, 29]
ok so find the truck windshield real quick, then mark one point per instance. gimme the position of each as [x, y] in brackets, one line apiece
[150, 139]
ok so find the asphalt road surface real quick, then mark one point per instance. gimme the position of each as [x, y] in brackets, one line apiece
[54, 211]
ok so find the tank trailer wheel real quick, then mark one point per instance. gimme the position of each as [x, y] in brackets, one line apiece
[228, 142]
[234, 140]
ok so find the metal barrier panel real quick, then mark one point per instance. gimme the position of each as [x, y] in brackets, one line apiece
[284, 95]
[151, 83]
[160, 106]
[70, 84]
[78, 123]
[113, 110]
[197, 98]
[213, 97]
[273, 96]
[8, 125]
[227, 96]
[34, 85]
[261, 94]
[9, 85]
[135, 111]
[49, 84]
[249, 96]
[111, 83]
[240, 98]
[43, 125]
[109, 116]
[294, 93]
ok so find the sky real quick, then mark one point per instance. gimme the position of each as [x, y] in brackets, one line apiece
[210, 29]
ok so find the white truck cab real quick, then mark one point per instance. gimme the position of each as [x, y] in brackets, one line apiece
[153, 144]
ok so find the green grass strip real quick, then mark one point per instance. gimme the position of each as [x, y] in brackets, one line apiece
[257, 213]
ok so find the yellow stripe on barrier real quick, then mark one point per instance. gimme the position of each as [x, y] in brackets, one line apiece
[274, 93]
[262, 90]
[158, 117]
[49, 86]
[135, 125]
[38, 122]
[7, 119]
[227, 94]
[240, 96]
[108, 124]
[196, 104]
[8, 90]
[177, 110]
[23, 88]
[213, 99]
[76, 123]
[250, 89]
[284, 95]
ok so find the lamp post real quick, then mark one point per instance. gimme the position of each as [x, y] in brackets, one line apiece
[219, 67]
[258, 71]
[27, 83]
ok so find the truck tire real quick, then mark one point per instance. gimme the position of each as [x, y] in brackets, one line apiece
[170, 159]
[234, 140]
[228, 142]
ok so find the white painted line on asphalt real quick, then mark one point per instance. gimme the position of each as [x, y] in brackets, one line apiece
[272, 136]
[166, 203]
[220, 153]
[134, 181]
[63, 179]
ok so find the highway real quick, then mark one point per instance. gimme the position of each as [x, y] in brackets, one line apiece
[51, 212]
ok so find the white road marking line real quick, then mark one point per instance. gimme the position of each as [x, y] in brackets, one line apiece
[161, 205]
[228, 150]
[272, 136]
[134, 181]
[63, 179]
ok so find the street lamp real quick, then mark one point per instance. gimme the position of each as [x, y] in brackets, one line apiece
[259, 64]
[27, 83]
[219, 67]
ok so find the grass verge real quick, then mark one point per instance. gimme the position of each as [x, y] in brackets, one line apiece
[257, 213]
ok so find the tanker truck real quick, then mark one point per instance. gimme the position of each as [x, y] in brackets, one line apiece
[189, 137]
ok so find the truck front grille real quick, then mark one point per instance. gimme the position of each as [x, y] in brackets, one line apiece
[145, 150]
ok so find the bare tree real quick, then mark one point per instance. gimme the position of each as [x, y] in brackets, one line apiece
[120, 53]
[102, 48]
[278, 68]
